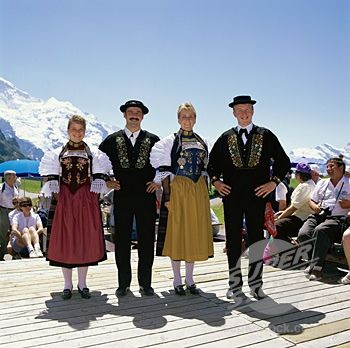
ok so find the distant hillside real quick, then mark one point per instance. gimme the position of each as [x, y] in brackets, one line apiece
[9, 149]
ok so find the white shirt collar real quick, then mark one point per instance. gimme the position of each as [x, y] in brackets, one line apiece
[248, 128]
[128, 133]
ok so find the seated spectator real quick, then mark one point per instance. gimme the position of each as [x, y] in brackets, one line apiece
[315, 173]
[346, 245]
[289, 221]
[281, 196]
[15, 253]
[26, 227]
[16, 210]
[331, 203]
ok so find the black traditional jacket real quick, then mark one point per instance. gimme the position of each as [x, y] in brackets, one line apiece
[245, 167]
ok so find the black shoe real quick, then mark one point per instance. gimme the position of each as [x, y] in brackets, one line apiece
[66, 294]
[193, 289]
[147, 290]
[236, 294]
[85, 293]
[120, 292]
[258, 293]
[179, 290]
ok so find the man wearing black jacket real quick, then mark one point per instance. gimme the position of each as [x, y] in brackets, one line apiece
[134, 194]
[240, 169]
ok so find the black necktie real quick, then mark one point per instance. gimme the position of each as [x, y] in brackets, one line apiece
[243, 131]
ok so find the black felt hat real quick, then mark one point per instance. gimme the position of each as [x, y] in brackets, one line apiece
[135, 104]
[242, 99]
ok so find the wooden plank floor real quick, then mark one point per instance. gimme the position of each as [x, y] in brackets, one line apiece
[297, 312]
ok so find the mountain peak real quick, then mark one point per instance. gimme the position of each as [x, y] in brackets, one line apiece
[39, 125]
[319, 154]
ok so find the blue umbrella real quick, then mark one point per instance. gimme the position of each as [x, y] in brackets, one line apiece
[23, 168]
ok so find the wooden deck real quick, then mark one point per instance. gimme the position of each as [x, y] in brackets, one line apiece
[297, 313]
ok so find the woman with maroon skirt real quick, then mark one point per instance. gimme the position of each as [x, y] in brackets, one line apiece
[75, 175]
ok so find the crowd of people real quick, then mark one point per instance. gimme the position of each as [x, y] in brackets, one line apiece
[247, 166]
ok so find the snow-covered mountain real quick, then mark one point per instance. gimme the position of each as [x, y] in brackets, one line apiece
[39, 125]
[319, 154]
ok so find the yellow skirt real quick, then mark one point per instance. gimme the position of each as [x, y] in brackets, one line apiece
[189, 232]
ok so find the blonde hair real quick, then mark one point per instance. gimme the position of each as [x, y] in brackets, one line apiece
[77, 119]
[186, 106]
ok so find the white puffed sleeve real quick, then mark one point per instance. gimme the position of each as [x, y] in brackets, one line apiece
[50, 165]
[100, 162]
[100, 165]
[161, 157]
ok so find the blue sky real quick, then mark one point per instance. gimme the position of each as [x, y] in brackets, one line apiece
[292, 56]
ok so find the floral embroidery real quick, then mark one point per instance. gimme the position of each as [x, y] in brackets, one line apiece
[69, 177]
[81, 163]
[256, 149]
[234, 150]
[192, 161]
[67, 162]
[254, 153]
[144, 153]
[122, 152]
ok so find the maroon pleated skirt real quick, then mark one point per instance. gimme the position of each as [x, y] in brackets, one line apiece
[77, 237]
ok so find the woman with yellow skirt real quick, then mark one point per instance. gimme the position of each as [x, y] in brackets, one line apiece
[185, 232]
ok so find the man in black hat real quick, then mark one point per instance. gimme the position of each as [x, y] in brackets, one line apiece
[134, 194]
[239, 167]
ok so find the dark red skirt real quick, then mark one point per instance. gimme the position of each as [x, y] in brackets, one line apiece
[77, 237]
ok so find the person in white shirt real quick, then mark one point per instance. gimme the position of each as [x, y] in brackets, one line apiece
[330, 203]
[315, 172]
[18, 252]
[12, 213]
[281, 196]
[289, 221]
[26, 227]
[8, 190]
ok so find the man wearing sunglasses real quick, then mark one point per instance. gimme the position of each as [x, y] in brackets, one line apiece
[26, 227]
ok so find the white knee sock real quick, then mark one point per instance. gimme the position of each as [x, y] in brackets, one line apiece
[189, 273]
[67, 275]
[82, 273]
[177, 273]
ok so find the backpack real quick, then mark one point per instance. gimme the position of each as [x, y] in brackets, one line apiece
[43, 213]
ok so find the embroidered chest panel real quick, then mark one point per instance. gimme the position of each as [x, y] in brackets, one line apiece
[192, 161]
[255, 147]
[122, 152]
[75, 168]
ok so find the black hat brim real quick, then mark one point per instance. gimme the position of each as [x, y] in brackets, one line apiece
[144, 108]
[232, 104]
